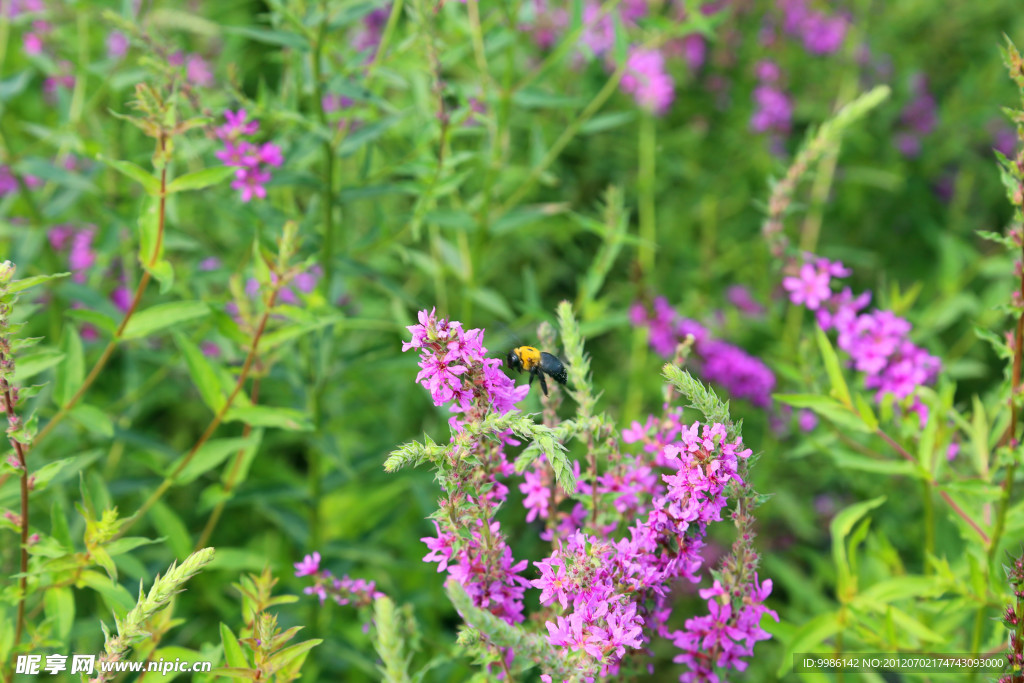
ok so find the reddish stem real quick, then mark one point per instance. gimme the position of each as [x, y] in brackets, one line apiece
[19, 449]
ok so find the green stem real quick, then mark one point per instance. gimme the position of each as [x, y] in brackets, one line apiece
[139, 291]
[327, 148]
[646, 146]
[927, 491]
[563, 140]
[243, 375]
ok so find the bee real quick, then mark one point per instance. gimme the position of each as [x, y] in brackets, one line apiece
[537, 363]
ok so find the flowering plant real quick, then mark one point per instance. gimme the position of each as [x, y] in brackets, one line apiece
[634, 529]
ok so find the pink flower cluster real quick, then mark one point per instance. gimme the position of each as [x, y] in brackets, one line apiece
[9, 185]
[877, 341]
[647, 80]
[917, 120]
[197, 69]
[252, 161]
[822, 34]
[646, 77]
[358, 592]
[740, 373]
[727, 634]
[78, 242]
[455, 369]
[773, 111]
[483, 565]
[615, 593]
[13, 8]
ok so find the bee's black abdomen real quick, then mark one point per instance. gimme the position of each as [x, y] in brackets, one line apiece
[554, 367]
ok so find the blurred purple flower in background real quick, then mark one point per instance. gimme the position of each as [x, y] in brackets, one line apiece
[647, 81]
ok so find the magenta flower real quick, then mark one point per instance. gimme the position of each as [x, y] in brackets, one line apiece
[198, 72]
[249, 183]
[122, 298]
[807, 420]
[237, 125]
[538, 495]
[647, 81]
[823, 34]
[773, 111]
[743, 375]
[310, 565]
[32, 44]
[767, 71]
[574, 634]
[270, 154]
[251, 161]
[117, 45]
[810, 288]
[235, 153]
[877, 342]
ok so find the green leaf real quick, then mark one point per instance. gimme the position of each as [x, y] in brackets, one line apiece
[533, 98]
[169, 525]
[32, 364]
[863, 463]
[95, 318]
[211, 454]
[13, 86]
[93, 419]
[809, 638]
[203, 374]
[841, 525]
[239, 475]
[101, 557]
[201, 179]
[145, 323]
[44, 169]
[71, 373]
[979, 438]
[149, 182]
[25, 283]
[906, 624]
[59, 528]
[365, 135]
[125, 545]
[865, 411]
[904, 588]
[292, 653]
[233, 653]
[828, 408]
[835, 373]
[268, 416]
[493, 301]
[59, 605]
[603, 122]
[270, 36]
[117, 598]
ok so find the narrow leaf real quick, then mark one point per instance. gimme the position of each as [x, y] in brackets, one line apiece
[161, 316]
[201, 179]
[149, 182]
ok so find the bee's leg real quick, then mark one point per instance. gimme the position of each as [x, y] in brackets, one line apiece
[543, 383]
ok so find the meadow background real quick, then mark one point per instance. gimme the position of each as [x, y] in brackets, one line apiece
[490, 160]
